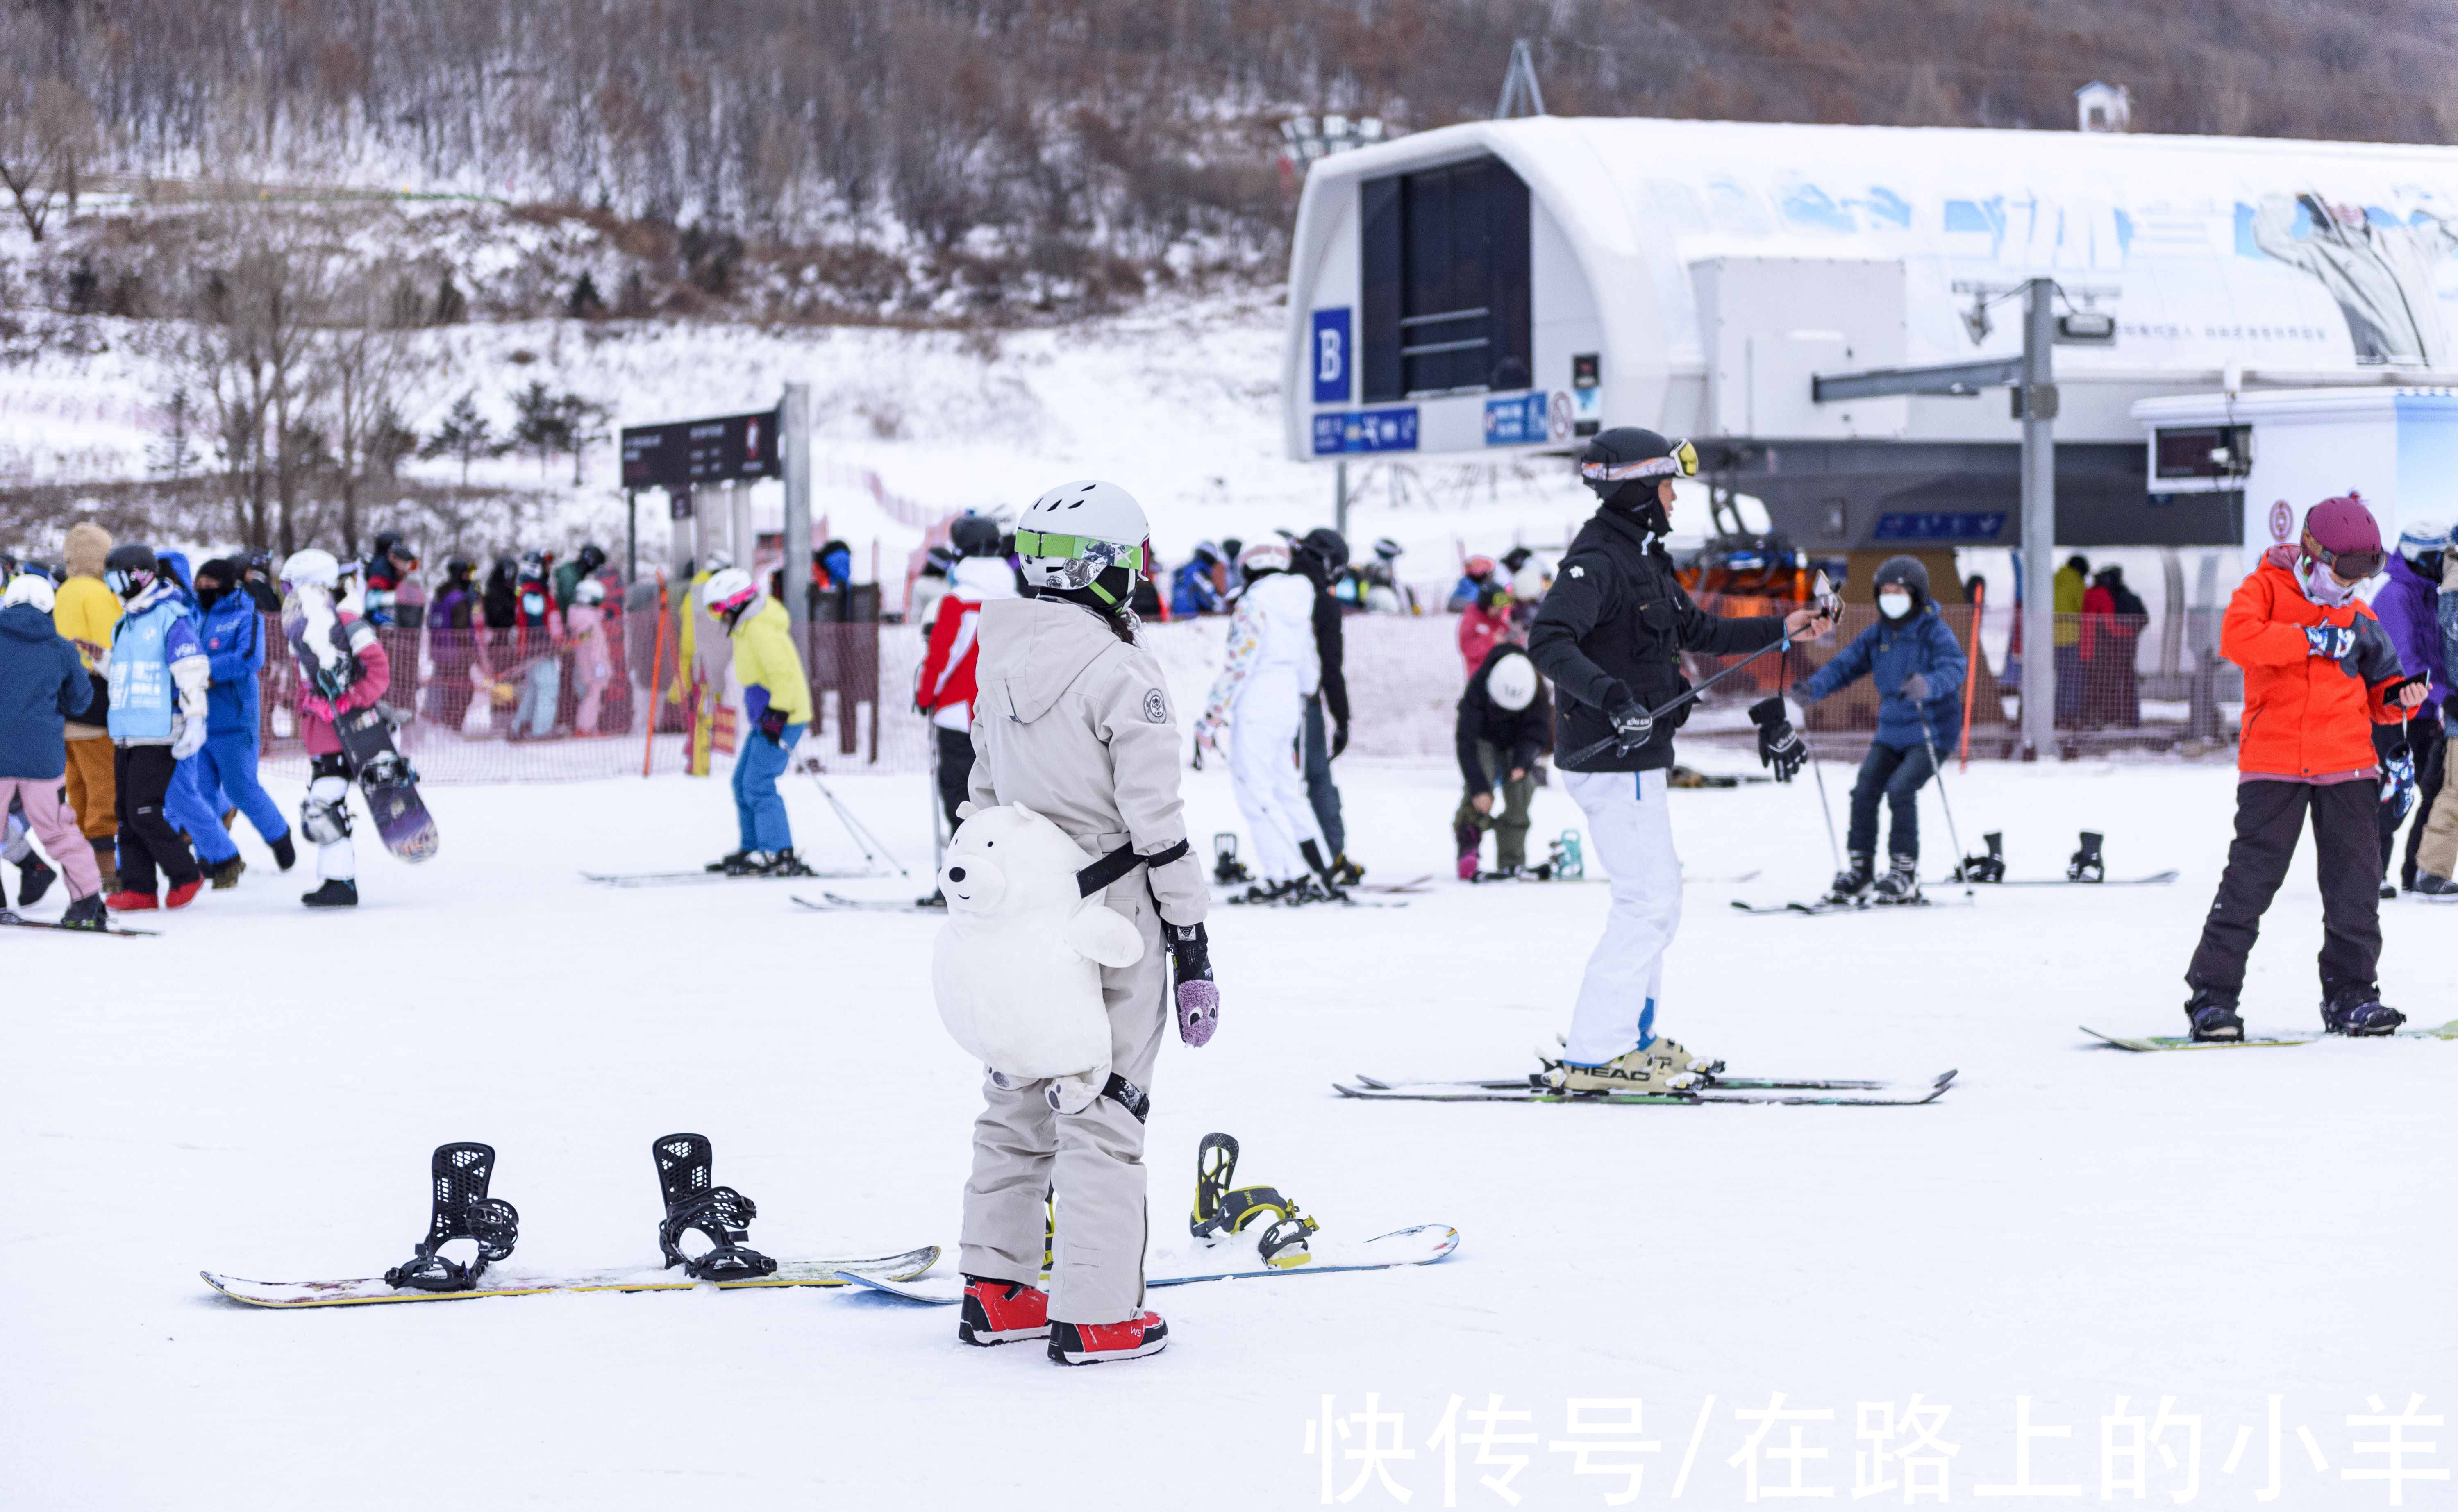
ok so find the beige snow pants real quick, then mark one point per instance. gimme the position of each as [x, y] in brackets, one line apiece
[2439, 852]
[1092, 1160]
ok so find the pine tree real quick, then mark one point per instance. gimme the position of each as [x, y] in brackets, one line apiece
[466, 434]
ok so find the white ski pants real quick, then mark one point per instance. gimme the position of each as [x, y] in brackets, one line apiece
[1023, 1151]
[1630, 829]
[1265, 771]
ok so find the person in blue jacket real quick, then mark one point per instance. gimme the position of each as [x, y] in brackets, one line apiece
[194, 804]
[233, 633]
[157, 718]
[1193, 589]
[1918, 668]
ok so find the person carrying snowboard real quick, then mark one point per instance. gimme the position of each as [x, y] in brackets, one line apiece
[1918, 668]
[2319, 673]
[1268, 676]
[157, 719]
[776, 702]
[43, 685]
[1610, 636]
[341, 668]
[1503, 720]
[1072, 721]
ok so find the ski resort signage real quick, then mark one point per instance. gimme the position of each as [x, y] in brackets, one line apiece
[685, 453]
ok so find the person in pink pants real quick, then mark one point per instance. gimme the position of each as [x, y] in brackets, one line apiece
[42, 685]
[593, 663]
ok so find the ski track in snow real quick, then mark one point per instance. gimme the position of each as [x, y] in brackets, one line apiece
[257, 1093]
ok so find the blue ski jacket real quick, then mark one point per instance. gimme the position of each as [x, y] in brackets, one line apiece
[1887, 652]
[232, 634]
[42, 685]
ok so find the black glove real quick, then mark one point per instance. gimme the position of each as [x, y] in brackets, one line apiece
[1631, 724]
[1779, 747]
[772, 724]
[1339, 738]
[1199, 999]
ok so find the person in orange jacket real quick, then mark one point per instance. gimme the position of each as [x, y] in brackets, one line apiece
[2319, 673]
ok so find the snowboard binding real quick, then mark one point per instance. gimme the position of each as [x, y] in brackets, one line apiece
[2087, 866]
[1227, 869]
[721, 1213]
[1564, 856]
[1220, 1210]
[463, 1210]
[1989, 868]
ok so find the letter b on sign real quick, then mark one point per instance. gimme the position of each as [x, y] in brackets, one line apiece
[1331, 356]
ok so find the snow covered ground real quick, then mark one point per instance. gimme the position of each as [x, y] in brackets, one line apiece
[2076, 1238]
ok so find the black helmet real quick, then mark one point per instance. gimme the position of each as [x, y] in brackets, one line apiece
[1905, 571]
[1328, 545]
[129, 568]
[1624, 464]
[974, 535]
[459, 566]
[592, 557]
[1387, 548]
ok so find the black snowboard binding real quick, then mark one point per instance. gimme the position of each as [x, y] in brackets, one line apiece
[1219, 1209]
[2087, 865]
[720, 1213]
[463, 1210]
[1989, 868]
[1227, 870]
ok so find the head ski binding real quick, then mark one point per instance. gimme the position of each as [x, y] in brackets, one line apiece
[720, 1213]
[463, 1210]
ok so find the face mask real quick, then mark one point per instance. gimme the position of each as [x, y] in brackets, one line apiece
[2323, 587]
[1894, 606]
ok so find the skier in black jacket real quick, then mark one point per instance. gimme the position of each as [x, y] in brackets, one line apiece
[1320, 556]
[1611, 636]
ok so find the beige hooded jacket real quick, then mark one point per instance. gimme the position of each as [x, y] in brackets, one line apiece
[1076, 725]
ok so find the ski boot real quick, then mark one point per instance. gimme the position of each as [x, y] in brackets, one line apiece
[2389, 892]
[999, 1311]
[1098, 1343]
[721, 1213]
[1643, 1070]
[2087, 866]
[738, 863]
[1989, 868]
[1219, 1209]
[86, 913]
[1264, 893]
[2434, 888]
[463, 1210]
[1465, 838]
[183, 894]
[2359, 1012]
[1227, 870]
[1901, 884]
[2214, 1019]
[785, 864]
[335, 892]
[227, 876]
[35, 878]
[1324, 886]
[1345, 873]
[285, 853]
[1851, 885]
[129, 900]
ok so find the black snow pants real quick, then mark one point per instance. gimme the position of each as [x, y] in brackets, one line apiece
[1894, 774]
[2269, 819]
[147, 841]
[955, 769]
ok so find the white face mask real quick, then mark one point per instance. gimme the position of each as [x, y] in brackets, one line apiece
[1894, 606]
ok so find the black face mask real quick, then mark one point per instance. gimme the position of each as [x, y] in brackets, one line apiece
[1638, 499]
[208, 595]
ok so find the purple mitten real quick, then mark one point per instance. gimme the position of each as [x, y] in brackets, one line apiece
[1199, 999]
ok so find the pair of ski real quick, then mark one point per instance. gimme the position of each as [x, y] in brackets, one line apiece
[11, 921]
[2143, 1043]
[695, 878]
[1858, 905]
[1718, 1089]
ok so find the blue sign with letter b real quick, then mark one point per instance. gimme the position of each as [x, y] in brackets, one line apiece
[1330, 357]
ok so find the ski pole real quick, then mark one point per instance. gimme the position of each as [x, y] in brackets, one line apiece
[1929, 742]
[862, 836]
[1818, 773]
[1825, 604]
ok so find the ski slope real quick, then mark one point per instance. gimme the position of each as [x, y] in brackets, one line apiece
[256, 1093]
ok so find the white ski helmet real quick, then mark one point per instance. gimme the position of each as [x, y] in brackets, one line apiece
[1077, 531]
[1512, 684]
[1263, 556]
[28, 588]
[313, 568]
[589, 590]
[730, 591]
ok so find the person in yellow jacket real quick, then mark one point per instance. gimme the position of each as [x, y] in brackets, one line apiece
[699, 666]
[86, 611]
[777, 700]
[2073, 581]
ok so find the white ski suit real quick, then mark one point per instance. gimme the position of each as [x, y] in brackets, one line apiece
[1269, 674]
[1076, 725]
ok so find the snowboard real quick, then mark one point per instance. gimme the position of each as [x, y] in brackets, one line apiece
[1718, 1082]
[1526, 1093]
[388, 782]
[15, 921]
[833, 904]
[1864, 907]
[695, 878]
[2180, 1042]
[513, 1281]
[2155, 880]
[1422, 1245]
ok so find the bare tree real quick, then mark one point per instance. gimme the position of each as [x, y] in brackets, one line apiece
[46, 135]
[251, 351]
[367, 365]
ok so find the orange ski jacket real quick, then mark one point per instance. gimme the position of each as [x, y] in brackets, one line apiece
[2304, 715]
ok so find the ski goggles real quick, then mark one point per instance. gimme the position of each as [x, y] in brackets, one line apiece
[2351, 566]
[1079, 548]
[1683, 462]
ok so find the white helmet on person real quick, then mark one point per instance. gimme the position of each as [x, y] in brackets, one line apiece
[729, 592]
[2423, 538]
[1512, 682]
[1077, 531]
[312, 567]
[28, 588]
[589, 590]
[1261, 557]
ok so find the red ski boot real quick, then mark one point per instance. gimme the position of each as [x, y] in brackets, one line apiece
[181, 893]
[129, 900]
[1095, 1343]
[1003, 1312]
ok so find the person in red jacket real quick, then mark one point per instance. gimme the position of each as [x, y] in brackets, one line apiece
[945, 688]
[2319, 673]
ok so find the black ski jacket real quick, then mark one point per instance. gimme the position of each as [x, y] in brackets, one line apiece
[1517, 735]
[1327, 635]
[1616, 621]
